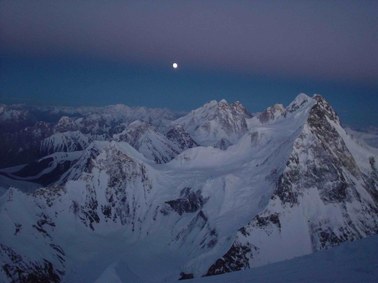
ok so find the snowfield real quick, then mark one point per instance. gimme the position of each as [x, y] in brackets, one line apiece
[348, 263]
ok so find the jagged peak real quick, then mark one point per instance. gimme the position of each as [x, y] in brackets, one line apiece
[279, 108]
[316, 95]
[66, 123]
[272, 113]
[135, 131]
[212, 105]
[301, 100]
[65, 119]
[216, 120]
[302, 96]
[223, 105]
[94, 150]
[323, 108]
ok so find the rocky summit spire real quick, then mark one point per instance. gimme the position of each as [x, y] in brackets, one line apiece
[322, 197]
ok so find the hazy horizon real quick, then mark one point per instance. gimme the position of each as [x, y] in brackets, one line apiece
[258, 52]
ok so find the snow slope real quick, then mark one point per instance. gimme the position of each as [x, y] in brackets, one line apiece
[152, 144]
[348, 263]
[369, 138]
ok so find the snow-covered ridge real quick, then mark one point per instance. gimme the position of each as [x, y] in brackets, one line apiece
[28, 133]
[64, 142]
[216, 121]
[152, 144]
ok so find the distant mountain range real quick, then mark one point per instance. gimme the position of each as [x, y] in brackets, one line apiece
[149, 195]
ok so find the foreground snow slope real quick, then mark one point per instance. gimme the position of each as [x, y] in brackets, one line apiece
[348, 263]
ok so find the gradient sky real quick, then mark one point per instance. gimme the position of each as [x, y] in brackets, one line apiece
[259, 52]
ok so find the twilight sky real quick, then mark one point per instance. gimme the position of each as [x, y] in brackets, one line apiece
[259, 52]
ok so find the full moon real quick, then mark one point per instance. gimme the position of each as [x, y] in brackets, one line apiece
[174, 65]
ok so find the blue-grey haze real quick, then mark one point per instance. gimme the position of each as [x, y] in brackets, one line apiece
[78, 81]
[259, 52]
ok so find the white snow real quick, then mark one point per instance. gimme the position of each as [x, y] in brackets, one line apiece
[215, 121]
[64, 142]
[367, 137]
[348, 263]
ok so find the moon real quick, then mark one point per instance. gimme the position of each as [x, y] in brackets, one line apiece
[175, 65]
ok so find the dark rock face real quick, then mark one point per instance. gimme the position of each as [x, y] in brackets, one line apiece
[232, 117]
[185, 276]
[372, 180]
[330, 148]
[125, 191]
[223, 144]
[19, 270]
[329, 158]
[47, 265]
[241, 253]
[263, 221]
[272, 113]
[198, 228]
[179, 136]
[236, 259]
[188, 202]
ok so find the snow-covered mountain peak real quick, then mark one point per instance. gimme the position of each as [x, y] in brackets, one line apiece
[239, 107]
[300, 101]
[134, 132]
[139, 126]
[66, 123]
[151, 143]
[66, 141]
[214, 107]
[272, 113]
[215, 121]
[8, 113]
[112, 151]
